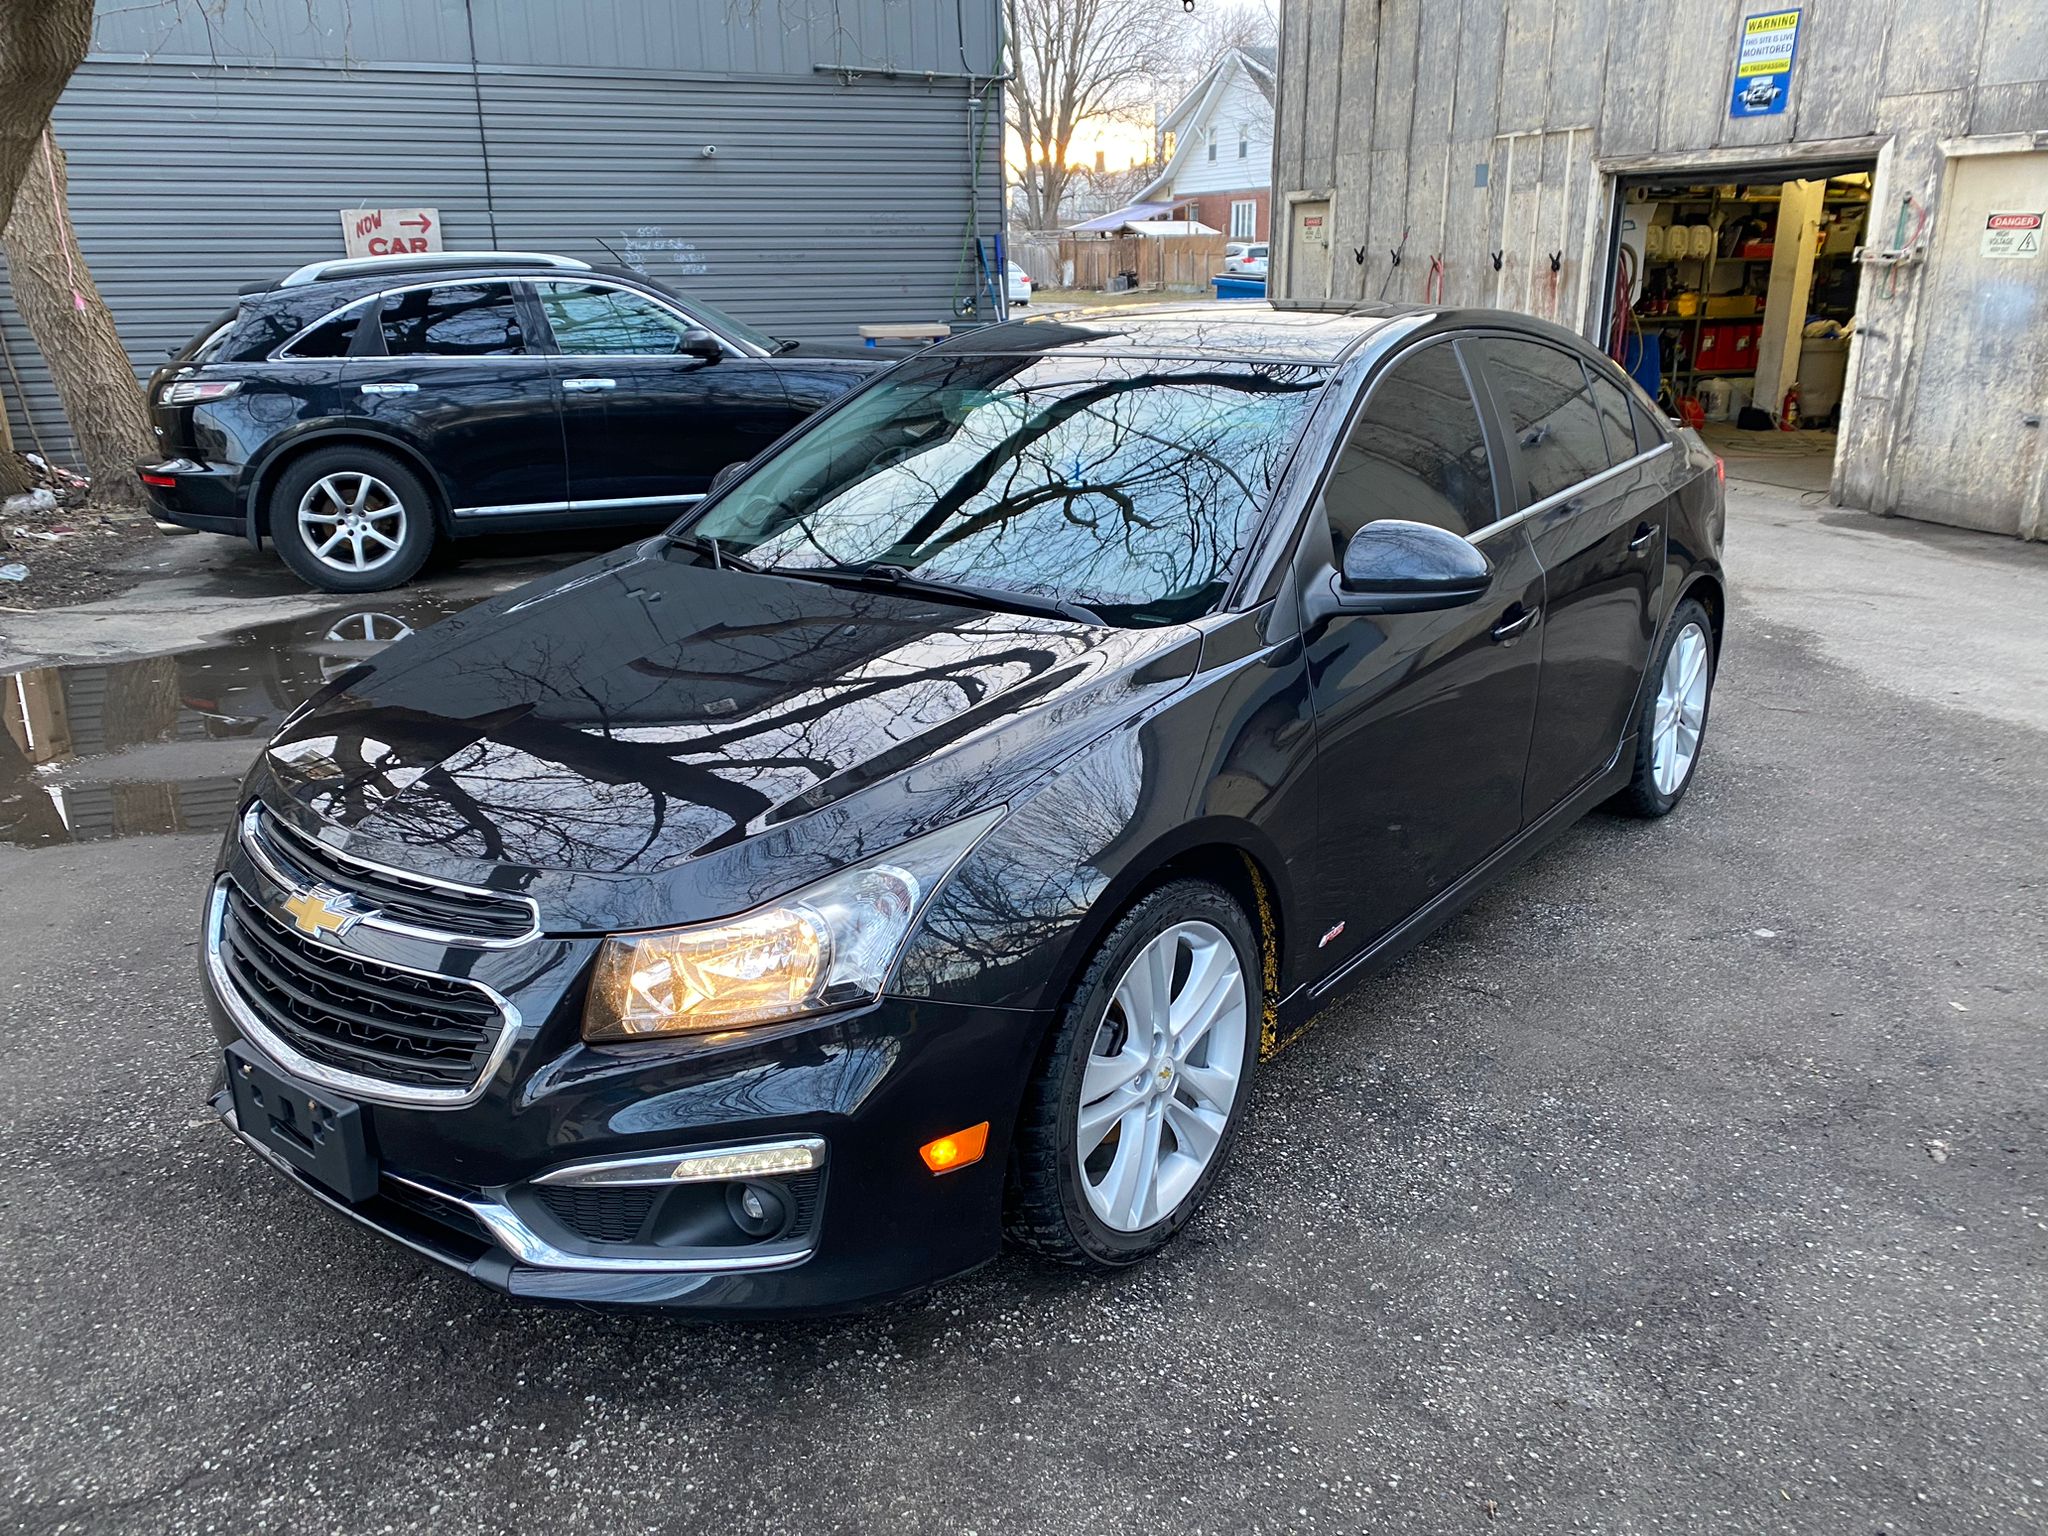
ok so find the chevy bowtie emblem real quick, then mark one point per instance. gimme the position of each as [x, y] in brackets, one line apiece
[321, 910]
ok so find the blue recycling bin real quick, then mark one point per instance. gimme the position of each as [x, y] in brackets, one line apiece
[1238, 287]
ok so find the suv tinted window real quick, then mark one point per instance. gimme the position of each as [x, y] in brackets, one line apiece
[460, 320]
[1542, 392]
[1615, 420]
[1417, 453]
[334, 339]
[593, 321]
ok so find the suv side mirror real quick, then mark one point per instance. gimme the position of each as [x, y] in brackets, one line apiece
[727, 475]
[1394, 566]
[700, 343]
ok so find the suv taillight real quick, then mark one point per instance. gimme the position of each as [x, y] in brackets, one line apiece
[197, 391]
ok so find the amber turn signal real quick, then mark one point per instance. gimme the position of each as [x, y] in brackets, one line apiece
[956, 1150]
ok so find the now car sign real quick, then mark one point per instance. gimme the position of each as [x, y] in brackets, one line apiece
[391, 231]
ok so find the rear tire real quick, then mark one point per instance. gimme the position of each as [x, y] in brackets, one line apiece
[1671, 729]
[1142, 1088]
[352, 519]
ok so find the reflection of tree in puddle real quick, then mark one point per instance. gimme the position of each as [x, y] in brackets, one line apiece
[60, 721]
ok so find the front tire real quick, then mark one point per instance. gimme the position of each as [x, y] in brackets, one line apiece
[1144, 1084]
[349, 519]
[1671, 730]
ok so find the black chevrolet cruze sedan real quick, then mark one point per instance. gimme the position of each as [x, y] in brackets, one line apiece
[354, 414]
[933, 832]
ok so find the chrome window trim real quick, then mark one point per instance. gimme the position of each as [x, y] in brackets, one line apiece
[683, 499]
[252, 844]
[593, 1175]
[371, 1089]
[599, 280]
[1559, 498]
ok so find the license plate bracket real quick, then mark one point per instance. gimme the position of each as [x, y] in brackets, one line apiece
[324, 1137]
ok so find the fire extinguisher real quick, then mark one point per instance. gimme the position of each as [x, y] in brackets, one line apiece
[1788, 418]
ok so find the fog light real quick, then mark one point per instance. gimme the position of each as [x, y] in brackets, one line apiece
[956, 1150]
[759, 1210]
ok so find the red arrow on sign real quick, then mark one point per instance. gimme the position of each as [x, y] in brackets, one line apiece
[422, 223]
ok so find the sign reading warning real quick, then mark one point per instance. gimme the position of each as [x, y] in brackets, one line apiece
[2009, 236]
[1763, 64]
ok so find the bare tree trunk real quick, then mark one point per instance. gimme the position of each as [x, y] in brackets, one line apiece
[41, 43]
[13, 477]
[56, 295]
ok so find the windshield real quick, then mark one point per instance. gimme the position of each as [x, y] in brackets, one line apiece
[1127, 486]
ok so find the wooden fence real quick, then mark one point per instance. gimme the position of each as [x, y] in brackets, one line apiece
[1093, 262]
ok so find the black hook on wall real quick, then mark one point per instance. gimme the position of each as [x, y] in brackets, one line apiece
[1557, 261]
[1497, 255]
[1358, 254]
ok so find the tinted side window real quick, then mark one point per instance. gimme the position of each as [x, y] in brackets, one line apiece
[1417, 453]
[1542, 392]
[461, 320]
[1649, 423]
[591, 321]
[330, 340]
[1615, 419]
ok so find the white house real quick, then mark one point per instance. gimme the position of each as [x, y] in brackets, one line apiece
[1217, 148]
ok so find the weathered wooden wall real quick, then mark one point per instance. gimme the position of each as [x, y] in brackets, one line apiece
[1475, 127]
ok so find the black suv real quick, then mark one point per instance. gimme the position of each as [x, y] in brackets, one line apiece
[355, 412]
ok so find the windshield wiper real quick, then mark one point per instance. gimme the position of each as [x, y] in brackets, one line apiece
[894, 578]
[704, 544]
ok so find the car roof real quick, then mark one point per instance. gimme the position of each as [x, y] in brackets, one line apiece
[1236, 329]
[1244, 330]
[337, 282]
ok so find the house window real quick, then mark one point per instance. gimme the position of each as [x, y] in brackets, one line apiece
[1244, 142]
[1210, 135]
[1244, 220]
[1098, 162]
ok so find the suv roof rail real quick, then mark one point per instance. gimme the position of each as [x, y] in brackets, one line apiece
[356, 266]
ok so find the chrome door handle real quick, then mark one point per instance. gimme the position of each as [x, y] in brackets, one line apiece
[389, 389]
[590, 384]
[1509, 628]
[1644, 533]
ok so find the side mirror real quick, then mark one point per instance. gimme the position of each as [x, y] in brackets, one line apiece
[727, 475]
[1401, 567]
[700, 343]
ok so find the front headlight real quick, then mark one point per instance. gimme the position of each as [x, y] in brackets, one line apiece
[826, 946]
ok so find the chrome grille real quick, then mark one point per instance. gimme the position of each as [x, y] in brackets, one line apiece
[394, 900]
[350, 1021]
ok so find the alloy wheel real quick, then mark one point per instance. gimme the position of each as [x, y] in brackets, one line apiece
[351, 521]
[1681, 710]
[1161, 1077]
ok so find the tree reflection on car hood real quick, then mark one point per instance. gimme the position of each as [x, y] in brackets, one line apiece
[646, 712]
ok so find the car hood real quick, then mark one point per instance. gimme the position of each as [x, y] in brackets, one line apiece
[644, 739]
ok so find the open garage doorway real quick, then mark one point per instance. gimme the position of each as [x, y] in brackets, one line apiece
[1732, 298]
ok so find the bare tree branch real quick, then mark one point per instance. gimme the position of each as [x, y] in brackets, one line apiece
[1070, 61]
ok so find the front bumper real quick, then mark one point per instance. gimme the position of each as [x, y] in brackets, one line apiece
[194, 495]
[462, 1185]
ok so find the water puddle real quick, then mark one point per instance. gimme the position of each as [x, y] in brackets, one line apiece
[101, 750]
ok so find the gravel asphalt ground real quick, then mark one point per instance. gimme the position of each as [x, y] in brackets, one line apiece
[1694, 1180]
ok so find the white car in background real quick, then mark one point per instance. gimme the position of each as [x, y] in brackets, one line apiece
[1245, 260]
[1019, 285]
